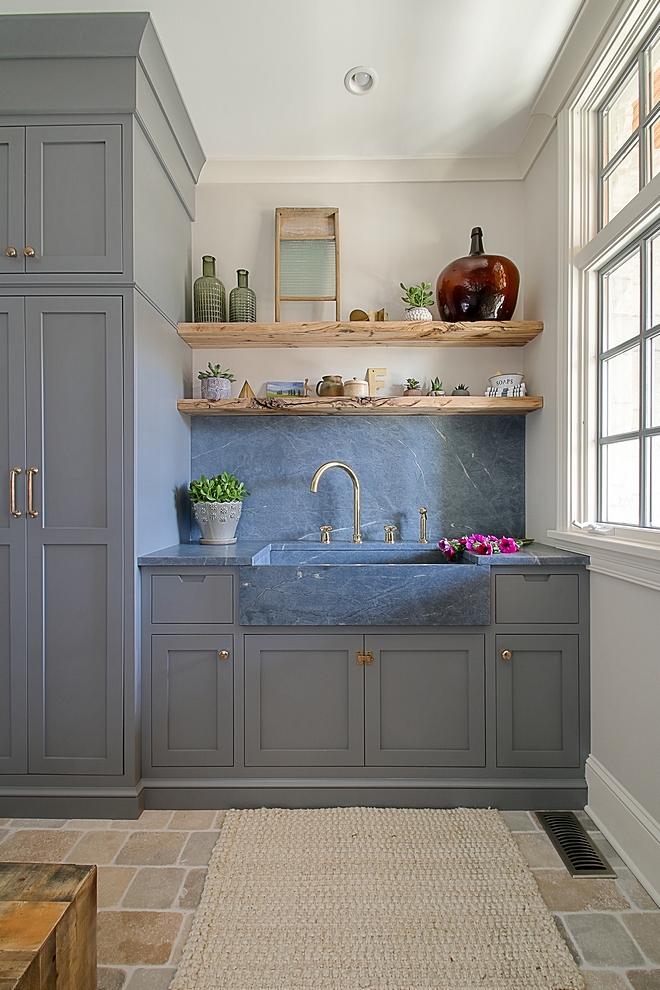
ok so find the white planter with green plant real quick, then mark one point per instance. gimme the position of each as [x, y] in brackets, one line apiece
[435, 387]
[418, 298]
[216, 383]
[217, 503]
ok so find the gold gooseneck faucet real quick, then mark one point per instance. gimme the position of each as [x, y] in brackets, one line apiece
[314, 487]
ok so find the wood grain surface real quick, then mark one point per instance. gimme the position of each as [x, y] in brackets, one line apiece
[423, 405]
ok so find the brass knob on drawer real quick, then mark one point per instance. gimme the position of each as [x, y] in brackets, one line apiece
[11, 252]
[29, 252]
[506, 654]
[223, 654]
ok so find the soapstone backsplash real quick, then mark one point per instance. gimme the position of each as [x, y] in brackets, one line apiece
[469, 472]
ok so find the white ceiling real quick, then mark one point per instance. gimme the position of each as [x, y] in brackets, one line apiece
[264, 78]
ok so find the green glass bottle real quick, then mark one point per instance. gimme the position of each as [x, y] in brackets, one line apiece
[209, 296]
[242, 301]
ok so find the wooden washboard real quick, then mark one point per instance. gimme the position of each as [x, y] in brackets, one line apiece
[306, 256]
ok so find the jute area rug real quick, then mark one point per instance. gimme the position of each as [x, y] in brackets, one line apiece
[371, 899]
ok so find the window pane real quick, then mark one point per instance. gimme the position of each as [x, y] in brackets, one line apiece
[621, 185]
[622, 301]
[620, 482]
[654, 381]
[654, 147]
[654, 71]
[621, 118]
[654, 476]
[621, 393]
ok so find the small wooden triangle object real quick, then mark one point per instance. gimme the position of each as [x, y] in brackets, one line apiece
[246, 392]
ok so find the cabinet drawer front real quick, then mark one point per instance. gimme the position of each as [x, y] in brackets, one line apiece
[192, 598]
[536, 598]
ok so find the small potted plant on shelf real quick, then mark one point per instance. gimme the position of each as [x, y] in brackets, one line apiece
[418, 298]
[435, 387]
[216, 383]
[217, 503]
[461, 390]
[413, 387]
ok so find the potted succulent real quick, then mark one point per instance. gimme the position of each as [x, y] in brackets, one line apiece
[216, 383]
[461, 390]
[435, 387]
[413, 387]
[217, 503]
[418, 297]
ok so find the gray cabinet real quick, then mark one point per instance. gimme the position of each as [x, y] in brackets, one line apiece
[425, 701]
[192, 696]
[304, 700]
[537, 682]
[64, 551]
[61, 195]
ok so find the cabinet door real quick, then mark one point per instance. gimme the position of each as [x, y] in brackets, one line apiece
[73, 197]
[12, 202]
[303, 701]
[13, 726]
[75, 553]
[537, 701]
[192, 701]
[424, 701]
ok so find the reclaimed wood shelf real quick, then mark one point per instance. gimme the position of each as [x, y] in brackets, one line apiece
[423, 405]
[360, 334]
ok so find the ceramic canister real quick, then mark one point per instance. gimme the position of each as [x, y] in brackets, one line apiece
[356, 387]
[331, 385]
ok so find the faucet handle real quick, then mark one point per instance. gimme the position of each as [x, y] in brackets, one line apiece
[389, 533]
[325, 533]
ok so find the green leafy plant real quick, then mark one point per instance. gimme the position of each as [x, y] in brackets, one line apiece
[417, 295]
[412, 383]
[215, 371]
[221, 488]
[435, 385]
[463, 388]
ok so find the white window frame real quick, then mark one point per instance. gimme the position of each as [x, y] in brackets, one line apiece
[626, 552]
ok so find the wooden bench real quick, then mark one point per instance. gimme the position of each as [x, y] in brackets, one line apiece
[47, 926]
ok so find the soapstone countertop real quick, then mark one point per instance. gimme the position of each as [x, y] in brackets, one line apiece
[257, 552]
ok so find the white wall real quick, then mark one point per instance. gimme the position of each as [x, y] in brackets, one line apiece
[389, 233]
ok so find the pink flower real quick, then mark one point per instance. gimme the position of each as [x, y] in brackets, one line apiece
[507, 545]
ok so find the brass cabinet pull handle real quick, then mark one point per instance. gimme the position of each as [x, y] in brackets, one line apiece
[506, 654]
[28, 251]
[12, 492]
[11, 252]
[223, 654]
[30, 473]
[364, 657]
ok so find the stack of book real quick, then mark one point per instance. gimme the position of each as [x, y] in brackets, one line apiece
[507, 390]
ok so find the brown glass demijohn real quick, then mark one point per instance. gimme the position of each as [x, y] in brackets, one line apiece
[479, 287]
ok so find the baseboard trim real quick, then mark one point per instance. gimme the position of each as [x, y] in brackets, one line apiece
[71, 802]
[626, 824]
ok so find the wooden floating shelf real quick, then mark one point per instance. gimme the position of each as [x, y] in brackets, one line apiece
[427, 405]
[360, 334]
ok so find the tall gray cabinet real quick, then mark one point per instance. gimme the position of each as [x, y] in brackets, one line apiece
[98, 162]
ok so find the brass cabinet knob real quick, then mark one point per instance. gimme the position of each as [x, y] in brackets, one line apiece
[11, 252]
[506, 654]
[223, 654]
[29, 252]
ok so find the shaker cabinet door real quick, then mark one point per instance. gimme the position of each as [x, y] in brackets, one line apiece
[12, 201]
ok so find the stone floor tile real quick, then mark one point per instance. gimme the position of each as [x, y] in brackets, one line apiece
[151, 979]
[84, 824]
[219, 819]
[603, 979]
[39, 846]
[137, 938]
[4, 832]
[519, 821]
[148, 819]
[199, 848]
[110, 979]
[585, 821]
[182, 939]
[97, 847]
[192, 890]
[634, 890]
[4, 821]
[154, 887]
[645, 929]
[152, 848]
[608, 851]
[644, 979]
[537, 849]
[112, 883]
[190, 821]
[38, 822]
[602, 940]
[569, 941]
[561, 892]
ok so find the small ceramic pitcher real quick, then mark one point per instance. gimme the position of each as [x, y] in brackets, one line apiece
[357, 388]
[331, 385]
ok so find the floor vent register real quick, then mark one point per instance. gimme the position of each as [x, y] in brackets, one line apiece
[580, 855]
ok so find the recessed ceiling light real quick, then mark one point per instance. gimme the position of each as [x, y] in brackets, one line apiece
[360, 80]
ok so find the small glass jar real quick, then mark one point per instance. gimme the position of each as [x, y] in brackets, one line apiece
[209, 296]
[242, 301]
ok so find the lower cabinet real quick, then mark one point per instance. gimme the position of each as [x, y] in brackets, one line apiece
[192, 691]
[538, 721]
[353, 700]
